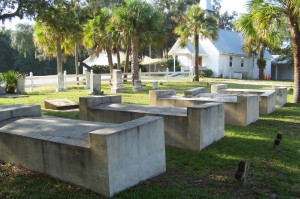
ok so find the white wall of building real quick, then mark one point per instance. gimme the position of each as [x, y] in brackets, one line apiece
[227, 71]
[185, 61]
[211, 60]
[282, 72]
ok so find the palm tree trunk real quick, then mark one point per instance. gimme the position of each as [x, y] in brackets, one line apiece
[295, 34]
[261, 64]
[127, 59]
[76, 62]
[118, 58]
[196, 55]
[134, 58]
[59, 56]
[110, 61]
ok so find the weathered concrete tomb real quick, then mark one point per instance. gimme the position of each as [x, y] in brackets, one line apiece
[105, 158]
[191, 128]
[267, 98]
[240, 110]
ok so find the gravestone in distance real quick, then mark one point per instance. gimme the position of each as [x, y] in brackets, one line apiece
[117, 84]
[88, 79]
[60, 104]
[155, 85]
[21, 84]
[137, 86]
[95, 84]
[2, 91]
[242, 171]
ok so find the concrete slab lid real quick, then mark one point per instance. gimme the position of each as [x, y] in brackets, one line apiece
[143, 109]
[59, 130]
[61, 102]
[248, 90]
[126, 125]
[13, 107]
[207, 105]
[97, 96]
[210, 97]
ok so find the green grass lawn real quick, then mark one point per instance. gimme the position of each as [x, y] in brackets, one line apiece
[205, 174]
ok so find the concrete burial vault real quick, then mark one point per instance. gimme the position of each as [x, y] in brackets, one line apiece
[268, 99]
[240, 110]
[191, 128]
[106, 158]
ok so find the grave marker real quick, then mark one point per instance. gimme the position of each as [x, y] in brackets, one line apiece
[242, 171]
[95, 84]
[117, 84]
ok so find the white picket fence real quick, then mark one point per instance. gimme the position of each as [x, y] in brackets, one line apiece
[32, 81]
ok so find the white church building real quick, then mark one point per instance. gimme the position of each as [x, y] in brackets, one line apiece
[225, 56]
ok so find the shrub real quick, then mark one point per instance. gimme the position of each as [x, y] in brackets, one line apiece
[170, 65]
[206, 73]
[10, 81]
[100, 69]
[1, 79]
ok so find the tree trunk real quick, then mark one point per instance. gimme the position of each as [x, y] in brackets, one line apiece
[110, 61]
[76, 62]
[118, 59]
[59, 56]
[134, 58]
[127, 59]
[295, 35]
[196, 55]
[261, 63]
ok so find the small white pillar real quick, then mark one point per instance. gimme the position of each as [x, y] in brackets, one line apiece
[65, 79]
[31, 81]
[174, 65]
[167, 73]
[88, 79]
[140, 74]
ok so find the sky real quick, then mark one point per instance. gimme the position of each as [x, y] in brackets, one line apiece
[234, 5]
[227, 5]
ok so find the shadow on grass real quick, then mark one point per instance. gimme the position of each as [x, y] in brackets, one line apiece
[22, 183]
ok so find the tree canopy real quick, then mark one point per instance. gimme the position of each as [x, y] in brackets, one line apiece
[22, 8]
[197, 24]
[276, 12]
[142, 20]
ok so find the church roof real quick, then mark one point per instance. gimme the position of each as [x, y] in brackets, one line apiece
[228, 42]
[231, 42]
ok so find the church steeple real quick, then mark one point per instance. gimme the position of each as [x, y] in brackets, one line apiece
[206, 5]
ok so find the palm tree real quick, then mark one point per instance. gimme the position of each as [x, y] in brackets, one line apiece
[256, 40]
[197, 24]
[137, 19]
[51, 43]
[96, 34]
[53, 28]
[277, 12]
